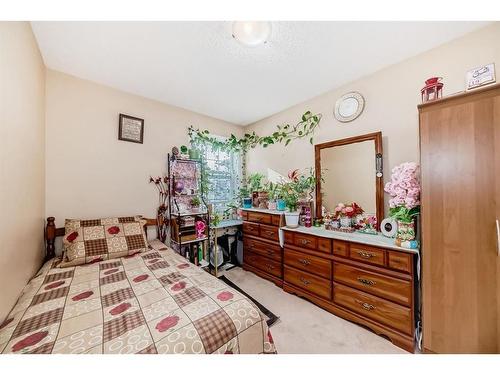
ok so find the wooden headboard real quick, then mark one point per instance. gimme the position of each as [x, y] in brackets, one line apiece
[51, 232]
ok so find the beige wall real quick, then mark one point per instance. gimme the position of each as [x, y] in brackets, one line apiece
[391, 98]
[22, 153]
[349, 175]
[89, 172]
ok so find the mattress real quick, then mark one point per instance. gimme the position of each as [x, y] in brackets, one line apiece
[151, 303]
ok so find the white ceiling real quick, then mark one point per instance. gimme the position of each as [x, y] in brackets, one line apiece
[200, 67]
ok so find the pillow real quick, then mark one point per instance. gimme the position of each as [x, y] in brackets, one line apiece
[156, 244]
[88, 241]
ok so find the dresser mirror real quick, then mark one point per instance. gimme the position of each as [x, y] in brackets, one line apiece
[351, 171]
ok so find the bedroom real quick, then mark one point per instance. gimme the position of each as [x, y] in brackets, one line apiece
[271, 186]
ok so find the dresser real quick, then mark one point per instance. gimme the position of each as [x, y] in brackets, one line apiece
[460, 172]
[359, 277]
[262, 252]
[362, 278]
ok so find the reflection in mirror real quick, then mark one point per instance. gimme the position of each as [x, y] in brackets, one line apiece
[349, 176]
[350, 173]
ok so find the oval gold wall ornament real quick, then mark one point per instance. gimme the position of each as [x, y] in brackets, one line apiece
[349, 106]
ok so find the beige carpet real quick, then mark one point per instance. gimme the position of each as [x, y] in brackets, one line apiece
[306, 328]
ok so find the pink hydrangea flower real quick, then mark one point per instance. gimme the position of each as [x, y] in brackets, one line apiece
[404, 187]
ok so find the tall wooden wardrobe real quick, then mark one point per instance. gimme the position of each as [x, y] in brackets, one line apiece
[460, 161]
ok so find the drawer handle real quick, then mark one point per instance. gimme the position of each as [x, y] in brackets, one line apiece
[270, 267]
[305, 262]
[364, 254]
[305, 242]
[270, 252]
[304, 281]
[367, 282]
[269, 232]
[365, 305]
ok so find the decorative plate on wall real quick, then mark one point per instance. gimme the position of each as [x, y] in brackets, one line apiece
[349, 106]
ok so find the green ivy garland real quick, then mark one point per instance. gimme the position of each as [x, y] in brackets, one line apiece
[284, 134]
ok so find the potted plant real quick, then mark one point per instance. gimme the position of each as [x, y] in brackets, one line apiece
[255, 185]
[290, 196]
[184, 152]
[404, 205]
[292, 190]
[273, 193]
[195, 203]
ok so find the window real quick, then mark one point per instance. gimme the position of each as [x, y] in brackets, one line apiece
[222, 169]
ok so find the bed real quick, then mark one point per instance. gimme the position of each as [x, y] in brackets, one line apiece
[152, 302]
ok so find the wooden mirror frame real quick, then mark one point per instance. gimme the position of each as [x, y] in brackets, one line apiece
[379, 181]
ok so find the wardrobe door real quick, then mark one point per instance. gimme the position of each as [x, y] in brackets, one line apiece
[497, 218]
[459, 258]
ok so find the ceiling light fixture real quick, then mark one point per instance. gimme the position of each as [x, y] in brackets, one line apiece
[251, 33]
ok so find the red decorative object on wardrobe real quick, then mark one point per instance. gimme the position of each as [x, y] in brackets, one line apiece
[432, 90]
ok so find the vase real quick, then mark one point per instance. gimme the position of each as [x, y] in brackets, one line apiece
[292, 219]
[255, 199]
[247, 202]
[179, 187]
[262, 199]
[272, 205]
[345, 222]
[280, 205]
[406, 231]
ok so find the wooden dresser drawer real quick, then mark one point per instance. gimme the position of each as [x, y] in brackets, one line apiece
[340, 248]
[305, 241]
[309, 263]
[250, 228]
[260, 218]
[264, 264]
[399, 261]
[367, 254]
[325, 245]
[394, 289]
[381, 310]
[269, 232]
[262, 248]
[304, 280]
[276, 220]
[288, 236]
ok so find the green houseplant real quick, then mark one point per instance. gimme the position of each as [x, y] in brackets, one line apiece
[255, 182]
[273, 191]
[292, 190]
[184, 152]
[195, 203]
[254, 187]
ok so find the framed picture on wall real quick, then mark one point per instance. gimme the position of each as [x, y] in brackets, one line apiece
[130, 129]
[480, 76]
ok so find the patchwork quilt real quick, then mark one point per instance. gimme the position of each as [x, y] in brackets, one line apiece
[150, 302]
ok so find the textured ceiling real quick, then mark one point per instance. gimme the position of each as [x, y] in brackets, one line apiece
[200, 67]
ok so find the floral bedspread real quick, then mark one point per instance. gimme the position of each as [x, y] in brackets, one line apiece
[151, 302]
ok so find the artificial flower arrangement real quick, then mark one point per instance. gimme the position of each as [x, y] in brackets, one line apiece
[367, 224]
[161, 184]
[342, 218]
[350, 210]
[404, 204]
[200, 228]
